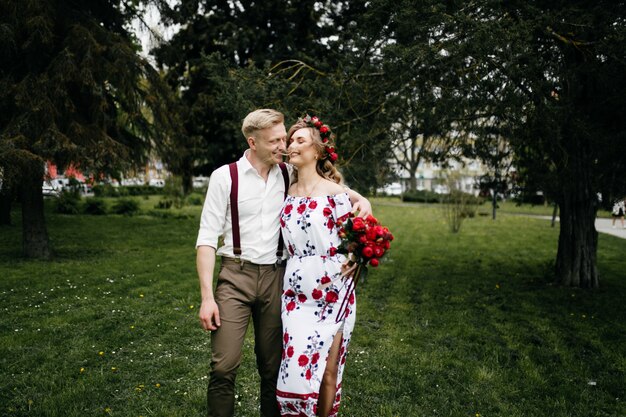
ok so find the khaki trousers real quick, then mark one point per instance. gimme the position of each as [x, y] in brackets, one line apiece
[241, 292]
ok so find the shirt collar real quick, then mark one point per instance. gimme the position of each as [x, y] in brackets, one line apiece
[246, 166]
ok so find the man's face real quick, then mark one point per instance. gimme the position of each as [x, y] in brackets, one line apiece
[269, 144]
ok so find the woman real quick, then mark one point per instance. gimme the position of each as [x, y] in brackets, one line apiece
[317, 323]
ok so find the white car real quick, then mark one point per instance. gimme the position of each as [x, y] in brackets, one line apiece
[157, 182]
[48, 189]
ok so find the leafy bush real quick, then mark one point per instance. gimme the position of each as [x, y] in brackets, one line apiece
[126, 206]
[105, 190]
[164, 204]
[95, 206]
[68, 203]
[421, 196]
[174, 191]
[195, 200]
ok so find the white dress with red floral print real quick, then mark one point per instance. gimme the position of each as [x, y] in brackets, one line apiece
[316, 300]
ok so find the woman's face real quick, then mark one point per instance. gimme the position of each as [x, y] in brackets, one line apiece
[301, 150]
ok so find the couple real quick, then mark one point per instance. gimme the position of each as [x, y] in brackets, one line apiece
[301, 337]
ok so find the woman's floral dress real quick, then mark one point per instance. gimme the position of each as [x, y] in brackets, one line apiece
[316, 300]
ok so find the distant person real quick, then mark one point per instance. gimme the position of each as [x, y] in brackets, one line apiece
[243, 204]
[618, 211]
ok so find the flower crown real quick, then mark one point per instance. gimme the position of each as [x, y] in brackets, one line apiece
[325, 133]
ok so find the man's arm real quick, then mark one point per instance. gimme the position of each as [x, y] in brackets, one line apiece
[359, 203]
[205, 263]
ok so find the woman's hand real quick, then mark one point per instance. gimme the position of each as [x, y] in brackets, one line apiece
[348, 268]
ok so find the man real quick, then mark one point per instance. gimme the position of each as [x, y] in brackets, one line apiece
[249, 283]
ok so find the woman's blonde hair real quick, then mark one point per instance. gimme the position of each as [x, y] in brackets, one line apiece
[324, 167]
[260, 119]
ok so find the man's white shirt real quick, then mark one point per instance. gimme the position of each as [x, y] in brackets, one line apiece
[259, 210]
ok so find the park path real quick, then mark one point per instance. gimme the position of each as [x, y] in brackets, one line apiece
[602, 225]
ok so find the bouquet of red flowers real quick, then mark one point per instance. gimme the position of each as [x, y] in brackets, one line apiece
[364, 241]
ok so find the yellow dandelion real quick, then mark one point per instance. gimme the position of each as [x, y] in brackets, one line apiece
[157, 385]
[101, 353]
[107, 410]
[132, 327]
[82, 370]
[191, 306]
[114, 369]
[140, 295]
[497, 286]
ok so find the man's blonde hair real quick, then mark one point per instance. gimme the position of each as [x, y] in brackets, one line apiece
[261, 119]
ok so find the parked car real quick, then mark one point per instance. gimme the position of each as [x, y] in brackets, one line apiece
[157, 182]
[49, 190]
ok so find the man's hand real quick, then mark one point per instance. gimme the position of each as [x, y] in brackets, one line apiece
[209, 315]
[363, 206]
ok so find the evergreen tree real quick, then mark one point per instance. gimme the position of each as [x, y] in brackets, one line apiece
[73, 89]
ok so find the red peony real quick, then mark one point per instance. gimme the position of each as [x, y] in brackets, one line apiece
[315, 358]
[333, 157]
[313, 204]
[378, 251]
[290, 351]
[291, 305]
[317, 294]
[301, 298]
[367, 251]
[374, 262]
[330, 149]
[318, 124]
[332, 297]
[301, 208]
[325, 279]
[288, 208]
[327, 211]
[330, 223]
[331, 201]
[308, 374]
[286, 337]
[358, 224]
[290, 293]
[303, 360]
[323, 129]
[332, 251]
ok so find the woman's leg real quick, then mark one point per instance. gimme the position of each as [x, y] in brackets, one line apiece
[328, 388]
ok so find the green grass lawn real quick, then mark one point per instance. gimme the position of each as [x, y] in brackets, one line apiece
[450, 325]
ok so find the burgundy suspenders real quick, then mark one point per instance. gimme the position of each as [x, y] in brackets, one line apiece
[234, 208]
[283, 168]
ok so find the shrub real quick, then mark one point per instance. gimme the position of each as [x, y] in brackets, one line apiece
[126, 206]
[95, 206]
[194, 200]
[164, 204]
[105, 190]
[421, 196]
[173, 190]
[68, 203]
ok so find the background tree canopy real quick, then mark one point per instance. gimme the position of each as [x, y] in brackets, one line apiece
[541, 83]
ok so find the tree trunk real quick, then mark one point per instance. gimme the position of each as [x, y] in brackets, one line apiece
[187, 180]
[6, 200]
[578, 238]
[554, 213]
[412, 182]
[494, 204]
[34, 233]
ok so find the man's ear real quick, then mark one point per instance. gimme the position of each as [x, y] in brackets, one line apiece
[252, 142]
